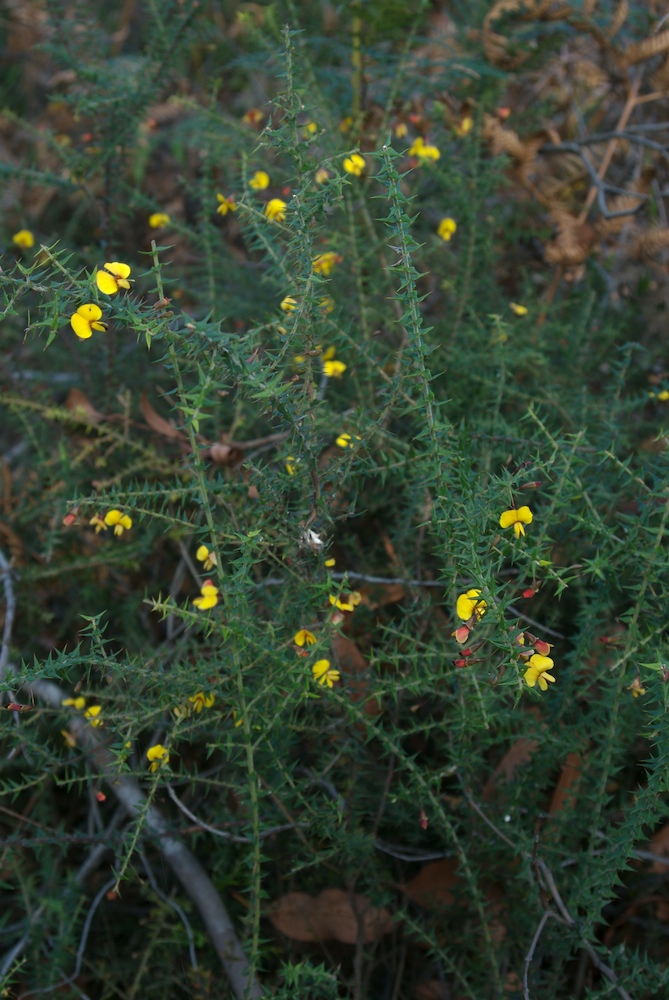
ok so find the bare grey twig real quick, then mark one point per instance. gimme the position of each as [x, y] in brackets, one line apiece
[184, 864]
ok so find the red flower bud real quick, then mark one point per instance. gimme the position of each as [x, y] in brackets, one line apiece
[461, 634]
[542, 647]
[534, 484]
[459, 663]
[529, 592]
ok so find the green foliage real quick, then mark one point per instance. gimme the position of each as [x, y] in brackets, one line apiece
[207, 414]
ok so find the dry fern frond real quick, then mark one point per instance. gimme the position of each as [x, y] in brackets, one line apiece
[640, 51]
[618, 19]
[504, 141]
[660, 78]
[573, 242]
[495, 46]
[650, 243]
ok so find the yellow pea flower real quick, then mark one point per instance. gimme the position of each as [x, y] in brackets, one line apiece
[259, 181]
[304, 638]
[120, 522]
[208, 598]
[447, 228]
[288, 304]
[275, 210]
[333, 369]
[112, 277]
[225, 204]
[78, 703]
[24, 239]
[322, 175]
[468, 604]
[324, 673]
[325, 262]
[354, 164]
[537, 671]
[518, 518]
[86, 319]
[516, 308]
[92, 713]
[158, 220]
[424, 151]
[206, 557]
[158, 755]
[201, 700]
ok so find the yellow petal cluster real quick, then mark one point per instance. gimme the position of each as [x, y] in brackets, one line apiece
[112, 277]
[354, 164]
[86, 319]
[516, 518]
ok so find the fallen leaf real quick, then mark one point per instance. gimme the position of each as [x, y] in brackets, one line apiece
[156, 422]
[356, 670]
[519, 755]
[81, 407]
[331, 915]
[431, 887]
[565, 788]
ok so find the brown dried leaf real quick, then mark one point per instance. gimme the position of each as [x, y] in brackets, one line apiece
[332, 915]
[519, 755]
[431, 887]
[81, 408]
[356, 669]
[156, 422]
[659, 844]
[566, 786]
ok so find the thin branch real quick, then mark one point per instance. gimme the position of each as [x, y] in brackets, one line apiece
[224, 833]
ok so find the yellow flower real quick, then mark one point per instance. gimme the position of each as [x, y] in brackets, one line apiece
[468, 605]
[327, 303]
[538, 667]
[345, 124]
[324, 263]
[401, 130]
[86, 319]
[259, 181]
[330, 562]
[99, 524]
[354, 164]
[253, 116]
[518, 309]
[24, 239]
[291, 462]
[346, 440]
[68, 739]
[447, 228]
[663, 396]
[158, 755]
[349, 605]
[517, 518]
[113, 277]
[304, 638]
[92, 714]
[225, 204]
[78, 703]
[311, 128]
[159, 219]
[322, 175]
[209, 596]
[636, 688]
[288, 304]
[324, 674]
[201, 700]
[120, 522]
[465, 126]
[206, 557]
[333, 369]
[423, 151]
[275, 210]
